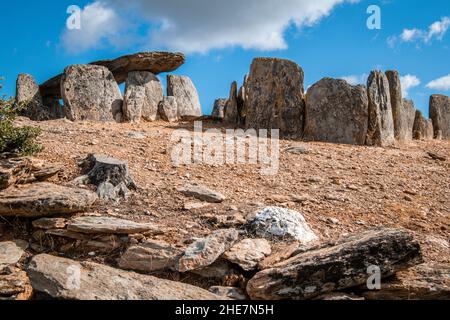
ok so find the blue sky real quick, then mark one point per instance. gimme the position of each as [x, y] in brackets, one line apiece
[325, 37]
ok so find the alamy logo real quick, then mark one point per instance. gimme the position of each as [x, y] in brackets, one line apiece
[213, 147]
[374, 20]
[74, 20]
[374, 280]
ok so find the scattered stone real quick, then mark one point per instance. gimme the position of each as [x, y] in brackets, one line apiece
[110, 175]
[336, 112]
[248, 253]
[186, 95]
[50, 223]
[437, 157]
[338, 267]
[91, 93]
[25, 170]
[429, 281]
[168, 109]
[339, 296]
[281, 253]
[143, 93]
[381, 124]
[154, 62]
[229, 292]
[206, 251]
[231, 114]
[15, 285]
[423, 128]
[440, 115]
[275, 96]
[195, 206]
[297, 150]
[282, 223]
[333, 220]
[50, 275]
[152, 255]
[107, 225]
[44, 199]
[29, 98]
[202, 193]
[10, 253]
[218, 112]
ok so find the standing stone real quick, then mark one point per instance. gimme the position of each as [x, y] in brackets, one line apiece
[336, 112]
[218, 112]
[231, 109]
[49, 274]
[168, 109]
[91, 93]
[408, 116]
[184, 91]
[29, 98]
[275, 96]
[395, 89]
[423, 128]
[380, 130]
[143, 92]
[440, 115]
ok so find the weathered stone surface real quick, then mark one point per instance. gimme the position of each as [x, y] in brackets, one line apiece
[168, 109]
[10, 253]
[150, 256]
[50, 223]
[185, 93]
[107, 225]
[111, 176]
[25, 170]
[423, 128]
[219, 270]
[201, 193]
[275, 96]
[91, 93]
[55, 277]
[396, 95]
[334, 268]
[380, 131]
[143, 93]
[218, 112]
[336, 112]
[231, 114]
[281, 223]
[281, 253]
[229, 292]
[440, 115]
[44, 199]
[408, 115]
[154, 62]
[29, 98]
[248, 253]
[15, 285]
[205, 252]
[429, 281]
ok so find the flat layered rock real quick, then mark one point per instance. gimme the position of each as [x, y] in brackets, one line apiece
[70, 280]
[281, 223]
[44, 199]
[274, 96]
[248, 253]
[50, 223]
[15, 285]
[204, 252]
[150, 256]
[154, 62]
[202, 193]
[143, 93]
[440, 115]
[91, 93]
[338, 267]
[186, 95]
[336, 112]
[107, 225]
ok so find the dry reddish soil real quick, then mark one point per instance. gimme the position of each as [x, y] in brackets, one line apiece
[361, 187]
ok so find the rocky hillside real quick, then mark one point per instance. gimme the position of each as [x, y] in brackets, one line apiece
[354, 195]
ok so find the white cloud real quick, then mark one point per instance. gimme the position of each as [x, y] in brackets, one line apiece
[436, 30]
[442, 84]
[408, 81]
[356, 79]
[197, 25]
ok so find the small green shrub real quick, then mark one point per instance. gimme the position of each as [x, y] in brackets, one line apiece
[13, 139]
